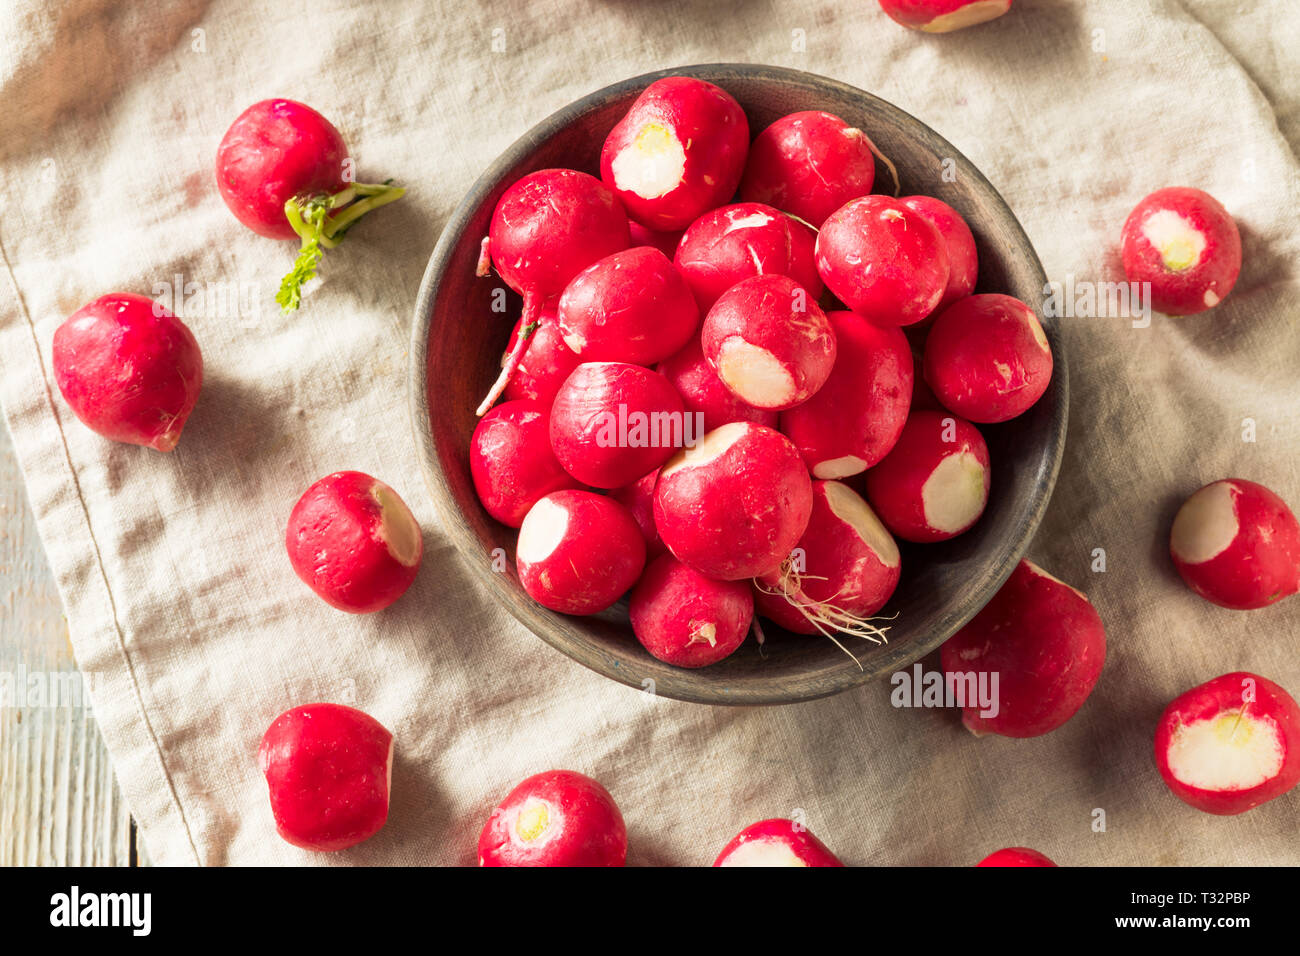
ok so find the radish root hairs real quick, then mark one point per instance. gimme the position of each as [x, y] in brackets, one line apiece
[893, 170]
[827, 617]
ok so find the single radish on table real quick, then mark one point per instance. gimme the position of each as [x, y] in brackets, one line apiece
[354, 542]
[735, 504]
[703, 392]
[578, 552]
[129, 369]
[284, 171]
[959, 242]
[329, 772]
[1184, 243]
[1042, 641]
[776, 843]
[1016, 856]
[855, 418]
[511, 461]
[934, 484]
[943, 16]
[987, 358]
[1230, 744]
[678, 151]
[684, 618]
[545, 361]
[769, 342]
[556, 818]
[883, 260]
[1237, 545]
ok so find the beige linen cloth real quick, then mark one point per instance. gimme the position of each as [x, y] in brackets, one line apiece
[180, 598]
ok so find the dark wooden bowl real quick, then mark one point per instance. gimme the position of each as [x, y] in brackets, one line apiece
[458, 342]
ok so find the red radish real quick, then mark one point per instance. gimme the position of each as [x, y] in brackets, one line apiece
[1237, 545]
[809, 164]
[1230, 744]
[511, 460]
[354, 542]
[578, 552]
[987, 358]
[548, 227]
[855, 418]
[545, 363]
[776, 843]
[329, 771]
[769, 342]
[665, 242]
[1184, 243]
[129, 369]
[735, 504]
[1045, 644]
[284, 171]
[632, 306]
[943, 16]
[959, 242]
[935, 482]
[1015, 856]
[686, 619]
[738, 242]
[639, 499]
[703, 392]
[556, 818]
[922, 397]
[612, 422]
[842, 571]
[883, 260]
[678, 151]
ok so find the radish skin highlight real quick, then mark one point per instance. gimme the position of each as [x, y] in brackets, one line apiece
[959, 243]
[686, 619]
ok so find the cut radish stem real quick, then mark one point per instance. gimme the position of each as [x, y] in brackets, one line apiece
[129, 369]
[935, 483]
[855, 418]
[639, 499]
[776, 843]
[686, 619]
[1186, 245]
[557, 818]
[987, 358]
[678, 151]
[1045, 644]
[1237, 544]
[943, 16]
[1015, 856]
[959, 242]
[545, 362]
[1230, 744]
[578, 552]
[883, 260]
[703, 392]
[735, 504]
[512, 463]
[284, 171]
[769, 342]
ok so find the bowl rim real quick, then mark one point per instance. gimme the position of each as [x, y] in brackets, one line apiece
[890, 657]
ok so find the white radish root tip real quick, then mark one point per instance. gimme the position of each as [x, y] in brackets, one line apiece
[484, 258]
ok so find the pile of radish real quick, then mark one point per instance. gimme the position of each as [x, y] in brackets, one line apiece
[710, 388]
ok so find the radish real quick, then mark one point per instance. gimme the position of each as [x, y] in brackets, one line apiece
[922, 397]
[1237, 545]
[632, 306]
[129, 369]
[639, 499]
[548, 227]
[934, 484]
[284, 171]
[735, 504]
[1230, 744]
[686, 619]
[1045, 644]
[883, 260]
[738, 242]
[511, 461]
[987, 358]
[329, 772]
[1015, 856]
[776, 843]
[665, 242]
[678, 151]
[958, 241]
[769, 342]
[578, 552]
[612, 422]
[842, 571]
[557, 818]
[809, 164]
[1184, 243]
[855, 418]
[354, 542]
[703, 392]
[545, 361]
[943, 16]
